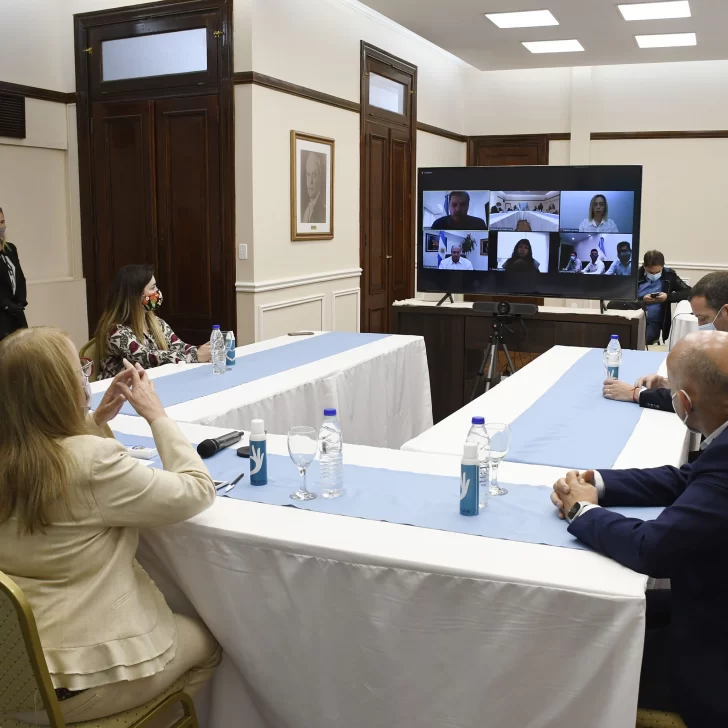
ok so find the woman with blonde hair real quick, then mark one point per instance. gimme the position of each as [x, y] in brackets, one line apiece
[71, 503]
[130, 329]
[598, 220]
[12, 286]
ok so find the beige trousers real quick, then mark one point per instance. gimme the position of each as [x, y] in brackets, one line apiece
[197, 653]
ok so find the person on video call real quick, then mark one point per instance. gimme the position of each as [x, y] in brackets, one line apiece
[315, 211]
[456, 260]
[495, 209]
[522, 260]
[573, 265]
[598, 220]
[623, 265]
[552, 209]
[458, 218]
[522, 226]
[596, 266]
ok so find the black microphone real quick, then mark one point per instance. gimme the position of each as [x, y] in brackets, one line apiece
[207, 448]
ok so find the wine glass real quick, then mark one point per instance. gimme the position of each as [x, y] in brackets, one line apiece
[500, 442]
[302, 447]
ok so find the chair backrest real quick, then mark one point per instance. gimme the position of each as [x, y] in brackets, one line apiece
[90, 353]
[25, 684]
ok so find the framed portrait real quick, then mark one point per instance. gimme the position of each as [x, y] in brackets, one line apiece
[432, 241]
[312, 187]
[484, 246]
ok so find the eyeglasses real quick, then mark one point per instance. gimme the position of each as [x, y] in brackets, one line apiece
[87, 369]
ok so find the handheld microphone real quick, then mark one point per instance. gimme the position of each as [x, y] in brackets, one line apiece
[207, 448]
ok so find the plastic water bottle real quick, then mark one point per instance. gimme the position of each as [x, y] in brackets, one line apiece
[258, 453]
[478, 435]
[331, 458]
[613, 358]
[469, 469]
[217, 350]
[230, 349]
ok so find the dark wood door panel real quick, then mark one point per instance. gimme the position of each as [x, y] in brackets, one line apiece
[401, 251]
[518, 149]
[189, 214]
[124, 173]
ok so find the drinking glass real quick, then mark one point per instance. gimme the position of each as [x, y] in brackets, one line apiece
[500, 442]
[302, 447]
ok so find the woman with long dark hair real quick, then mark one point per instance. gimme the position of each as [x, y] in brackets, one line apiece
[130, 329]
[522, 260]
[12, 286]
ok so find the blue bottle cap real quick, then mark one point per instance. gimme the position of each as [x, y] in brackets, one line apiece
[329, 412]
[615, 336]
[216, 326]
[478, 420]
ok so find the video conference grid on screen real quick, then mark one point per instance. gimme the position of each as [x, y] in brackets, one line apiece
[569, 232]
[459, 226]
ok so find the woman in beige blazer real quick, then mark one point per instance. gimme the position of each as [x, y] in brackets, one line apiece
[71, 503]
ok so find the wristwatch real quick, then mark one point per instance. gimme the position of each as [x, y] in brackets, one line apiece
[576, 510]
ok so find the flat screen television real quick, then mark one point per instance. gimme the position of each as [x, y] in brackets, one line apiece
[566, 232]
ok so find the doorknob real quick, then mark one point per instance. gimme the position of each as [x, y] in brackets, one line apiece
[389, 257]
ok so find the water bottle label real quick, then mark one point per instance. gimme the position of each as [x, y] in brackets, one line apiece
[230, 356]
[258, 463]
[469, 490]
[613, 372]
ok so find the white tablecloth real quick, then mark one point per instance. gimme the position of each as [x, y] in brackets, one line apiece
[329, 621]
[381, 391]
[659, 438]
[683, 322]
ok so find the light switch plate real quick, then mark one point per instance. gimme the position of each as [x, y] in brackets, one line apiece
[243, 251]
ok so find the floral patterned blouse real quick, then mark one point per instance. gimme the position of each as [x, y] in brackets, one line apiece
[124, 344]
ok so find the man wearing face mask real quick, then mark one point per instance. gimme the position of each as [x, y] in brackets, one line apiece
[684, 665]
[623, 265]
[709, 302]
[573, 265]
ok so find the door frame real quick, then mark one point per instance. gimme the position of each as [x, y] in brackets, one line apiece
[538, 141]
[83, 24]
[371, 52]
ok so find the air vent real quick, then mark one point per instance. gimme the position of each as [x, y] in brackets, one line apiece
[12, 116]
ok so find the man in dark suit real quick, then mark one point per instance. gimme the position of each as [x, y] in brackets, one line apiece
[687, 543]
[315, 209]
[13, 291]
[709, 301]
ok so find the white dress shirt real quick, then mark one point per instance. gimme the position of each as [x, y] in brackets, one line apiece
[594, 269]
[605, 226]
[462, 264]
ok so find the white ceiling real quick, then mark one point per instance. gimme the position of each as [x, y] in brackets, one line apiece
[460, 26]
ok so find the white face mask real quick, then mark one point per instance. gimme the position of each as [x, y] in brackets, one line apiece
[653, 276]
[687, 414]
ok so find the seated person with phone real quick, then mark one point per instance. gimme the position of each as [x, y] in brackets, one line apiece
[709, 302]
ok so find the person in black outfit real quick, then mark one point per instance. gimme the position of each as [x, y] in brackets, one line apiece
[458, 218]
[12, 287]
[709, 301]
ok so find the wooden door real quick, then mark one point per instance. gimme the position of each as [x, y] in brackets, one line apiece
[508, 151]
[190, 249]
[123, 169]
[387, 251]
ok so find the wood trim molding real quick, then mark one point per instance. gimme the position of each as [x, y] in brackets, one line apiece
[276, 84]
[33, 92]
[561, 137]
[699, 266]
[263, 308]
[296, 281]
[600, 136]
[421, 126]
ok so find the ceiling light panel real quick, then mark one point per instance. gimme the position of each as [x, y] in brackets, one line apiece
[554, 46]
[526, 19]
[667, 40]
[656, 11]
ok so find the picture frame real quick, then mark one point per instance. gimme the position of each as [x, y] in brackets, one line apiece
[312, 187]
[432, 242]
[484, 246]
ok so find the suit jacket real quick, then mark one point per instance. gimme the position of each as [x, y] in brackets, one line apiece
[11, 319]
[318, 214]
[688, 544]
[101, 618]
[658, 399]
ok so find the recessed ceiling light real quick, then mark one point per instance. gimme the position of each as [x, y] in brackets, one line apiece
[666, 40]
[525, 19]
[656, 11]
[553, 46]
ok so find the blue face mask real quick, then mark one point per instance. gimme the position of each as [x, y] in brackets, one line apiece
[711, 325]
[653, 276]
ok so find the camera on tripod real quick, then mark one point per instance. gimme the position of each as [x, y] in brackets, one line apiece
[504, 312]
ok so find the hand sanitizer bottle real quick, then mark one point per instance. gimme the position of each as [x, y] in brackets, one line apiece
[470, 480]
[258, 454]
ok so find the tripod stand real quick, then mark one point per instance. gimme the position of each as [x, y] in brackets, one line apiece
[490, 358]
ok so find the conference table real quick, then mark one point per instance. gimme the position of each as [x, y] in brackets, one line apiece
[379, 385]
[558, 416]
[329, 620]
[539, 221]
